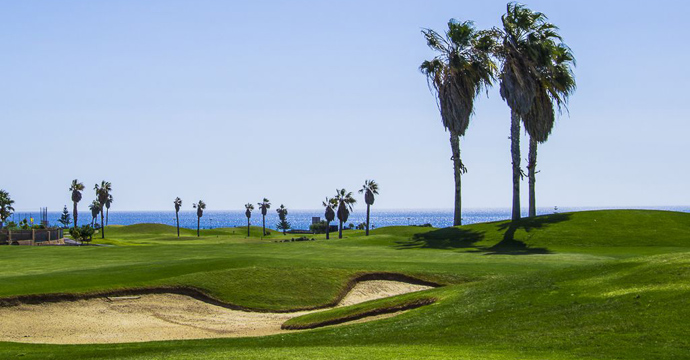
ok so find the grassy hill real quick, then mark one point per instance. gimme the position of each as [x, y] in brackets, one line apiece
[585, 285]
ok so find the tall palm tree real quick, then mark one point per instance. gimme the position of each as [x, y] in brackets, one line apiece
[330, 205]
[370, 188]
[282, 215]
[521, 49]
[248, 214]
[178, 205]
[345, 201]
[264, 206]
[108, 202]
[76, 188]
[462, 68]
[555, 84]
[6, 208]
[200, 207]
[102, 193]
[95, 208]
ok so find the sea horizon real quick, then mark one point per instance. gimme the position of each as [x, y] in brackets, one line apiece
[302, 218]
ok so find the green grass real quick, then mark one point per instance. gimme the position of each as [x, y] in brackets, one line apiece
[586, 285]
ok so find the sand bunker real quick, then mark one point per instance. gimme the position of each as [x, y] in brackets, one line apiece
[159, 317]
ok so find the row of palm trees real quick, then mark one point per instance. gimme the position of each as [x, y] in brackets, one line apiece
[534, 67]
[104, 199]
[340, 205]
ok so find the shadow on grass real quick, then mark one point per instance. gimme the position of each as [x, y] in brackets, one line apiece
[448, 238]
[511, 246]
[459, 238]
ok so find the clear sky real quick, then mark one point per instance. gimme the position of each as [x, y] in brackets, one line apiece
[232, 101]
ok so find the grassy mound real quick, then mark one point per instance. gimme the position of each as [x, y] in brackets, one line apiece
[602, 228]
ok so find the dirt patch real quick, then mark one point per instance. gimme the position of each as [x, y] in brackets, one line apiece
[152, 317]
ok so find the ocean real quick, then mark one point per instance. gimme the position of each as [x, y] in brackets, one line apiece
[301, 219]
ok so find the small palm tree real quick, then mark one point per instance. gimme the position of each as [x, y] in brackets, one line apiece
[107, 207]
[95, 208]
[200, 207]
[457, 75]
[6, 208]
[76, 188]
[345, 202]
[330, 205]
[264, 206]
[282, 215]
[178, 205]
[370, 188]
[248, 214]
[102, 194]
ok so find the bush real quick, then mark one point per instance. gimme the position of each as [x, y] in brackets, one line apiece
[82, 234]
[361, 226]
[319, 228]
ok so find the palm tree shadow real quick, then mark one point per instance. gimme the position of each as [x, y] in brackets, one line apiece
[447, 238]
[511, 246]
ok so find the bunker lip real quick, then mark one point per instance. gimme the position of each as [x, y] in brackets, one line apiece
[374, 312]
[199, 294]
[169, 316]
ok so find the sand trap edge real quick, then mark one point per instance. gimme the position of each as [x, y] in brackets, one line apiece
[200, 295]
[374, 312]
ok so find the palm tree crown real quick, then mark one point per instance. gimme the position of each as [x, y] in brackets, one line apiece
[76, 188]
[264, 206]
[330, 205]
[369, 189]
[459, 72]
[525, 43]
[345, 202]
[103, 191]
[95, 208]
[178, 204]
[200, 207]
[249, 207]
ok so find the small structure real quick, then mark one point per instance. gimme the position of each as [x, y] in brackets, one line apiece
[32, 237]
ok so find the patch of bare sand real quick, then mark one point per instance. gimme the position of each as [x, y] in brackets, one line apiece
[159, 317]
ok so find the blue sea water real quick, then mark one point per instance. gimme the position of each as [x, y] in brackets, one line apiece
[300, 219]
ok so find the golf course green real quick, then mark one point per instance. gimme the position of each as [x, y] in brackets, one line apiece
[609, 284]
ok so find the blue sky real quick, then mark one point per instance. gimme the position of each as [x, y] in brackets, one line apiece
[230, 102]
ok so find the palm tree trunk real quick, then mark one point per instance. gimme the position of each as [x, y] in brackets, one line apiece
[515, 152]
[75, 213]
[198, 225]
[368, 206]
[340, 230]
[248, 223]
[177, 217]
[264, 224]
[457, 171]
[107, 211]
[532, 173]
[102, 227]
[328, 230]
